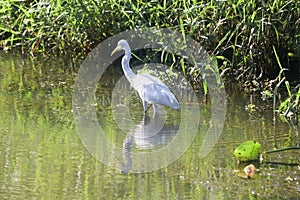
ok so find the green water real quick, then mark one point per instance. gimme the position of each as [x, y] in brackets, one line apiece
[43, 157]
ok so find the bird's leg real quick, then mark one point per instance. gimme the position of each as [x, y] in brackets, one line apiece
[155, 108]
[145, 106]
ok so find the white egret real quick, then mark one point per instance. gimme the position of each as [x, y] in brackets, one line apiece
[150, 89]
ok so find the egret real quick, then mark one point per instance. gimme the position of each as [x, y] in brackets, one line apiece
[150, 89]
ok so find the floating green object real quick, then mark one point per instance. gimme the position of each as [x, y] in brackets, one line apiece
[249, 150]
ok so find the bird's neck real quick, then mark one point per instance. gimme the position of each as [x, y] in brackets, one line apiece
[126, 68]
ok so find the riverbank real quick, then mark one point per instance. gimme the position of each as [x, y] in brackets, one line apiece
[254, 42]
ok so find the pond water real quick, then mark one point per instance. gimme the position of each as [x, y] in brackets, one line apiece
[42, 156]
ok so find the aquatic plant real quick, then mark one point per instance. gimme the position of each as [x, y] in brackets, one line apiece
[249, 150]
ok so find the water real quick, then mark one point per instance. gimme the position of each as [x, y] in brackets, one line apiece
[43, 157]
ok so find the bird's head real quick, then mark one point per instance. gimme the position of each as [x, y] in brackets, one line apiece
[122, 45]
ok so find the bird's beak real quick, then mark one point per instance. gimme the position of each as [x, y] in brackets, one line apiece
[118, 48]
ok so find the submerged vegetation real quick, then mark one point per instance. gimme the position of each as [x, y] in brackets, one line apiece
[256, 43]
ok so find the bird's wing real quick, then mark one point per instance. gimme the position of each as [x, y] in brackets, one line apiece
[173, 103]
[155, 93]
[152, 79]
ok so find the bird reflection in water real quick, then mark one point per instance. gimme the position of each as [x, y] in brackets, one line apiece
[149, 134]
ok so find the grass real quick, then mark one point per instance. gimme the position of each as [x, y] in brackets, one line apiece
[253, 41]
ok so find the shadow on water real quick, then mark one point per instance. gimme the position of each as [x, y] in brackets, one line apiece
[42, 156]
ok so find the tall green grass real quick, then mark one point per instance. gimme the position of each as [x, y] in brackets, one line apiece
[243, 34]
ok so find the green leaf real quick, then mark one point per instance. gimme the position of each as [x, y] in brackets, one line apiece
[249, 150]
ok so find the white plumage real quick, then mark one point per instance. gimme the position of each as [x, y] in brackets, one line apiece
[150, 89]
